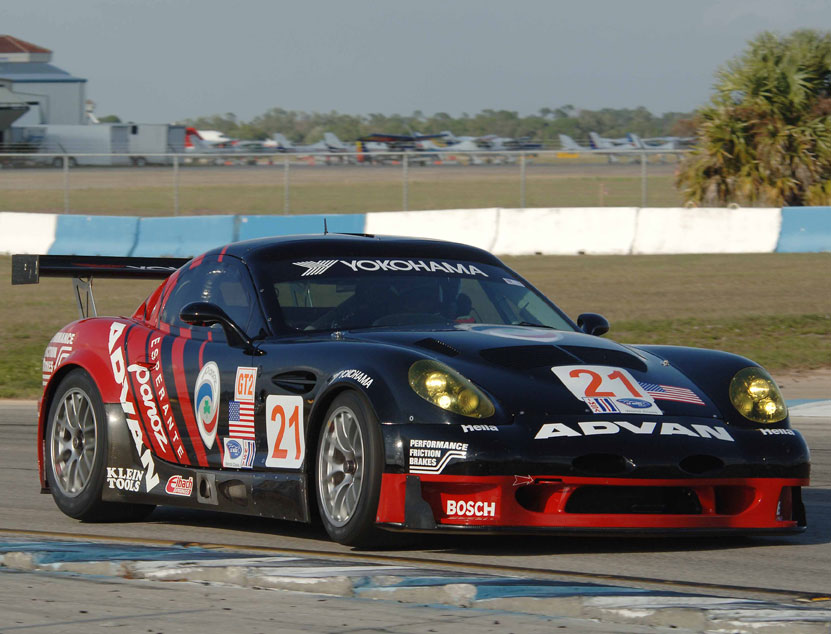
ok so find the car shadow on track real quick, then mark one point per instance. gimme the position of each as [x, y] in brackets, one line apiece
[817, 502]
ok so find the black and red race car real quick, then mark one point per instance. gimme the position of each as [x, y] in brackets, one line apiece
[400, 384]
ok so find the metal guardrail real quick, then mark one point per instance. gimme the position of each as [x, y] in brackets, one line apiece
[404, 160]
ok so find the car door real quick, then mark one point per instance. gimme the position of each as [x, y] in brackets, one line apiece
[213, 395]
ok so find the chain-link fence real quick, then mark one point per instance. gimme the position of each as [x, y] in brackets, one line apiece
[266, 183]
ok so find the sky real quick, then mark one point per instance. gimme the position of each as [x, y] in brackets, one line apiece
[158, 61]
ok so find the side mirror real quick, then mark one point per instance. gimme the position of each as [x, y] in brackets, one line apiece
[208, 314]
[593, 324]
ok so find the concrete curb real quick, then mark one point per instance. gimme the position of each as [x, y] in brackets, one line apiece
[626, 606]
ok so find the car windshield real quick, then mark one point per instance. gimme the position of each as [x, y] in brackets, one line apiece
[350, 293]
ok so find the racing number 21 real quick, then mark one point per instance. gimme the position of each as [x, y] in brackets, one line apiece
[596, 380]
[284, 428]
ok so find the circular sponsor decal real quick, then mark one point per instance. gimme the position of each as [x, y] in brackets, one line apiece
[542, 335]
[234, 448]
[206, 402]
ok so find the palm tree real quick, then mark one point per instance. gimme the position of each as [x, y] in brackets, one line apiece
[765, 137]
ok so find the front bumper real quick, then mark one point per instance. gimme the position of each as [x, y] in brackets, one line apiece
[565, 504]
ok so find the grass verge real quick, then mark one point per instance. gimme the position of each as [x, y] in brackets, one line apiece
[773, 308]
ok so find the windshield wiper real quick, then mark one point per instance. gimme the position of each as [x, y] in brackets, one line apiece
[528, 323]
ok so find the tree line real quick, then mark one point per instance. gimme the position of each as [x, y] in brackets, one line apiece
[543, 127]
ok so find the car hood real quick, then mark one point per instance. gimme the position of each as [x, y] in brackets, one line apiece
[518, 365]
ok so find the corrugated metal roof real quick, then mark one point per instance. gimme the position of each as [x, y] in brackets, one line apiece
[35, 71]
[10, 44]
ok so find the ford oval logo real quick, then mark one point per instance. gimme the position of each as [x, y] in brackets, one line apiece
[636, 402]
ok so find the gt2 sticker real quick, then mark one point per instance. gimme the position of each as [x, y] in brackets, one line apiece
[356, 375]
[600, 427]
[206, 402]
[239, 453]
[245, 384]
[432, 456]
[124, 479]
[177, 485]
[285, 432]
[606, 390]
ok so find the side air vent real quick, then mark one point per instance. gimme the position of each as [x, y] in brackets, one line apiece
[606, 356]
[527, 357]
[437, 346]
[298, 382]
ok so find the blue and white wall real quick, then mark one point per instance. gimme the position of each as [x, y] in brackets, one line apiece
[554, 231]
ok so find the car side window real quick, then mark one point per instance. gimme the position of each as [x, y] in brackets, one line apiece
[225, 283]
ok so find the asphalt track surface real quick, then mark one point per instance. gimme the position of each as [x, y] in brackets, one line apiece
[749, 567]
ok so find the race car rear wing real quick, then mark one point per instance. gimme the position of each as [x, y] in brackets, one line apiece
[28, 269]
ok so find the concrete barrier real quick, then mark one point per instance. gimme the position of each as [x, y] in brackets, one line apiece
[26, 233]
[95, 235]
[805, 230]
[565, 231]
[250, 227]
[182, 237]
[476, 227]
[556, 231]
[704, 230]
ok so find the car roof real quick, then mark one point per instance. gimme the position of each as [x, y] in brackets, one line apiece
[360, 245]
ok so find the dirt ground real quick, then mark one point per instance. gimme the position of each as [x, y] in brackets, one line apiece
[805, 383]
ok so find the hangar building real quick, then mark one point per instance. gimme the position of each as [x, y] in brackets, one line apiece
[33, 91]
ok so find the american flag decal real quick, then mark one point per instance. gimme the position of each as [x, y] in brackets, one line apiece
[241, 420]
[671, 393]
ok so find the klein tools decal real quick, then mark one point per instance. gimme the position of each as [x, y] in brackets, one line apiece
[124, 479]
[606, 390]
[206, 402]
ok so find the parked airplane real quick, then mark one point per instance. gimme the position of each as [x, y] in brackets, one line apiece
[569, 144]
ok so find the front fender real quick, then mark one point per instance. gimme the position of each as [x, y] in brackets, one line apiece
[712, 371]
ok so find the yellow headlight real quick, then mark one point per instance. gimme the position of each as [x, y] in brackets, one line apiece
[756, 396]
[444, 387]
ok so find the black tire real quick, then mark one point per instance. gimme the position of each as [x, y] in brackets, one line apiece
[57, 162]
[73, 162]
[348, 523]
[139, 161]
[75, 451]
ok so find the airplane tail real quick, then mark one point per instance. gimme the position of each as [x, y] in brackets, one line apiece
[195, 142]
[567, 143]
[635, 140]
[333, 142]
[597, 143]
[282, 142]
